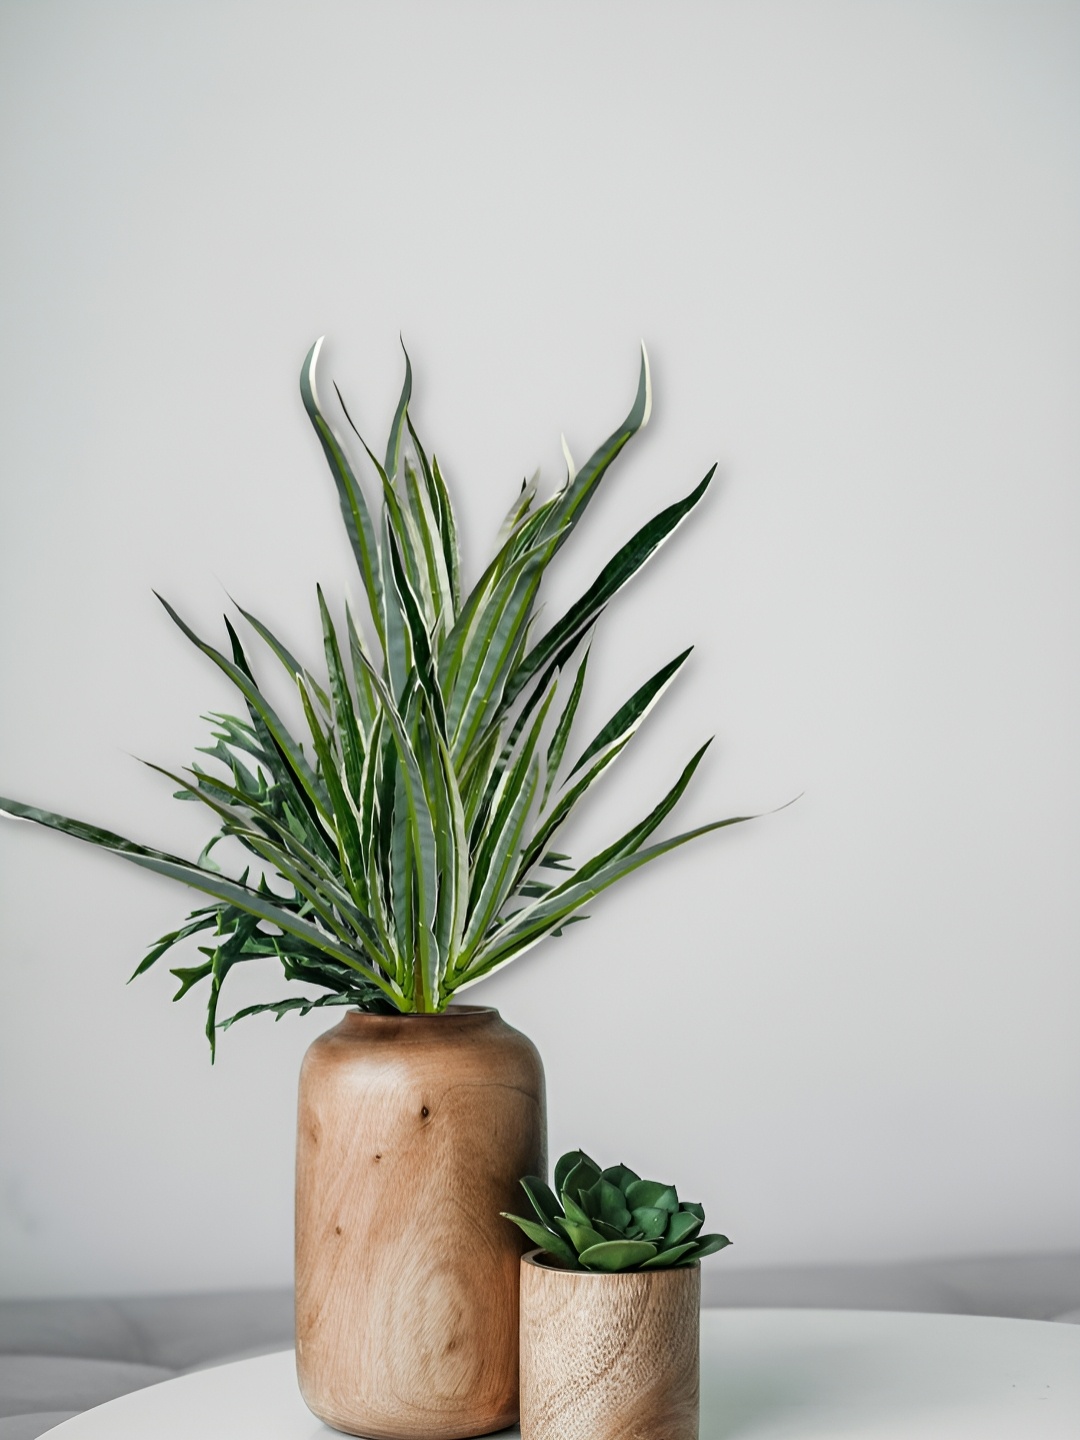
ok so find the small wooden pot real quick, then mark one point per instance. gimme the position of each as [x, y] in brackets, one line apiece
[609, 1357]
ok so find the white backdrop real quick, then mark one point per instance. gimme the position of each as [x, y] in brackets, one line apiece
[849, 235]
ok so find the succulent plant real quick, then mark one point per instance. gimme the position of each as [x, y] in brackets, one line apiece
[613, 1220]
[403, 849]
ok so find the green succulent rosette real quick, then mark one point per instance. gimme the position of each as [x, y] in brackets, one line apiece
[613, 1220]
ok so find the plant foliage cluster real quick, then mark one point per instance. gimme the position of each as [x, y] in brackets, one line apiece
[613, 1220]
[403, 849]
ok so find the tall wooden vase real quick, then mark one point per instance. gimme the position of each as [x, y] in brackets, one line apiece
[413, 1132]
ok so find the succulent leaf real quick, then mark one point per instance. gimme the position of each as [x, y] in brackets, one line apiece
[583, 1174]
[546, 1239]
[574, 1211]
[666, 1259]
[617, 1255]
[652, 1192]
[620, 1175]
[681, 1226]
[613, 1209]
[582, 1237]
[613, 1232]
[542, 1198]
[652, 1222]
[709, 1244]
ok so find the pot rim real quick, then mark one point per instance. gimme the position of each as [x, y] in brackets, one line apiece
[531, 1257]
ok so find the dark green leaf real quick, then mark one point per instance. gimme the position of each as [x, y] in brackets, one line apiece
[615, 574]
[613, 1208]
[575, 1172]
[490, 652]
[396, 646]
[683, 1225]
[288, 660]
[611, 1232]
[285, 745]
[666, 1259]
[347, 729]
[190, 975]
[397, 429]
[575, 1212]
[554, 1244]
[448, 528]
[354, 507]
[613, 1255]
[417, 630]
[620, 1175]
[630, 842]
[420, 823]
[582, 1237]
[709, 1244]
[542, 1198]
[652, 1193]
[554, 861]
[559, 740]
[198, 920]
[570, 504]
[300, 1004]
[535, 921]
[210, 883]
[651, 1221]
[560, 811]
[628, 717]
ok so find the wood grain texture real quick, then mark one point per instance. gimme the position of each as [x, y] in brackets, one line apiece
[413, 1132]
[609, 1357]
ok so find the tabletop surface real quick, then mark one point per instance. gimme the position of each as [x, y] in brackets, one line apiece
[766, 1375]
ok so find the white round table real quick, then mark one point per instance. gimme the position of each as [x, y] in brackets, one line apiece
[766, 1374]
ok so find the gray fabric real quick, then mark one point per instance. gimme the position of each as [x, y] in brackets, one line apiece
[251, 1353]
[183, 1331]
[63, 1382]
[96, 1328]
[29, 1427]
[177, 1331]
[1030, 1287]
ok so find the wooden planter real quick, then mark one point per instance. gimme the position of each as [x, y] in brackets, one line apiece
[413, 1132]
[609, 1357]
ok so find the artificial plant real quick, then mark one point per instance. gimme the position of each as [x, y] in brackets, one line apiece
[403, 849]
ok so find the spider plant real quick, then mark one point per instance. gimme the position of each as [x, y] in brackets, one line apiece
[403, 849]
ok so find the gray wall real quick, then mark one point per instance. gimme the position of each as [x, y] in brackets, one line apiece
[849, 235]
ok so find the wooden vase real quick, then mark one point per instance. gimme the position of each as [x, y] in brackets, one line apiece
[413, 1132]
[609, 1357]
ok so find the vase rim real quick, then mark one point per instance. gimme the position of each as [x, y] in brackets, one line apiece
[452, 1012]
